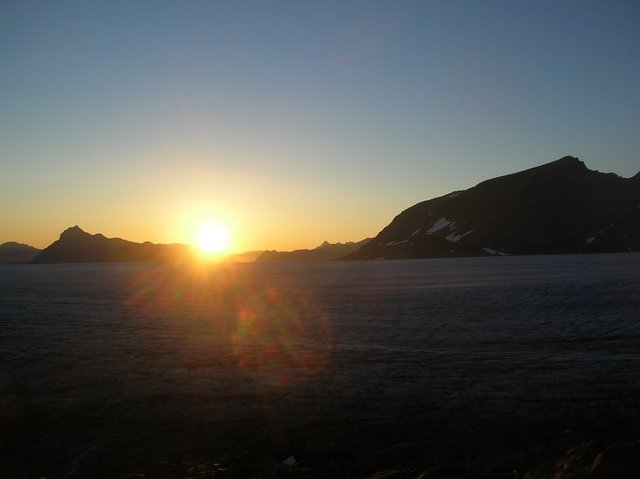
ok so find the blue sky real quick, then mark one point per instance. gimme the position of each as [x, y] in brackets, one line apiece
[296, 122]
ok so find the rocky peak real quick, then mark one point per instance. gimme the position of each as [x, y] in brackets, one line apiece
[568, 162]
[78, 246]
[72, 232]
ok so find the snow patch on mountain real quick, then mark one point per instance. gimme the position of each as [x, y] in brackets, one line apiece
[396, 243]
[495, 252]
[455, 238]
[438, 225]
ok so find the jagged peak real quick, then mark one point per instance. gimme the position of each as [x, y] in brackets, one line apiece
[568, 161]
[569, 158]
[72, 231]
[565, 165]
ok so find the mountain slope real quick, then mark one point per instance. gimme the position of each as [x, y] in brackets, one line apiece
[559, 207]
[325, 252]
[13, 252]
[77, 246]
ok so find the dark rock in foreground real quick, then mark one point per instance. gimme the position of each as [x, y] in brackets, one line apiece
[557, 208]
[77, 246]
[592, 460]
[589, 460]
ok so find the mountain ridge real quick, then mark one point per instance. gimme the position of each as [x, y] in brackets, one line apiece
[557, 207]
[77, 246]
[13, 252]
[324, 252]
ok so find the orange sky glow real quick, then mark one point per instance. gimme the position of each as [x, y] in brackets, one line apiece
[296, 122]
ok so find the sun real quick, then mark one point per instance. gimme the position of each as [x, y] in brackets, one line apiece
[213, 237]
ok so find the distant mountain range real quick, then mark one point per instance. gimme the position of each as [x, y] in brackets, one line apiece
[559, 207]
[13, 252]
[77, 246]
[246, 257]
[325, 252]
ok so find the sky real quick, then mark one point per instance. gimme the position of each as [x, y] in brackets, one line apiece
[297, 122]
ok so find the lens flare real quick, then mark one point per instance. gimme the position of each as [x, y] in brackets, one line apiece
[238, 319]
[280, 336]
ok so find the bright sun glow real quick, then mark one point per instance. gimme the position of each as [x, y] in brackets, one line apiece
[213, 237]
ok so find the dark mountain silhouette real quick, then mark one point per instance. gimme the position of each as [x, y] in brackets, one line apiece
[246, 257]
[13, 252]
[77, 246]
[325, 252]
[559, 207]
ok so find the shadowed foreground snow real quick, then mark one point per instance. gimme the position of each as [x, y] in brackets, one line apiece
[351, 368]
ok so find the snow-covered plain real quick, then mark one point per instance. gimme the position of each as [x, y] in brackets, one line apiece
[113, 367]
